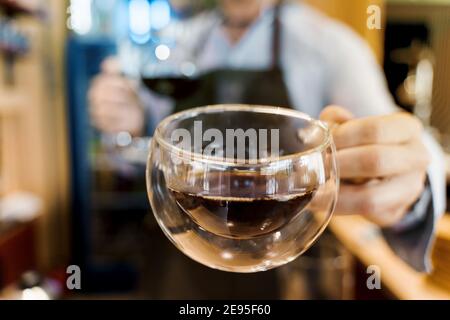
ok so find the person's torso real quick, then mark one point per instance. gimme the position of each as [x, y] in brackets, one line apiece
[303, 62]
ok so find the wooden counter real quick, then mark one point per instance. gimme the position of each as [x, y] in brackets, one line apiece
[366, 243]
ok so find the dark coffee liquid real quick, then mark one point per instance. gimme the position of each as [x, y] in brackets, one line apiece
[236, 208]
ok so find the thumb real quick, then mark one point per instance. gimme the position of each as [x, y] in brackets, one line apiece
[111, 66]
[336, 115]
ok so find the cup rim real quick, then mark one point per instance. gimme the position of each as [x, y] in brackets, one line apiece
[193, 156]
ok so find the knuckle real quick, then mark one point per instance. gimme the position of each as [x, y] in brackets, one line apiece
[369, 202]
[374, 131]
[419, 155]
[94, 91]
[425, 156]
[416, 124]
[387, 218]
[392, 218]
[419, 184]
[372, 161]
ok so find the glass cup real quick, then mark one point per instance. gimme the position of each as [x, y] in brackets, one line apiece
[242, 188]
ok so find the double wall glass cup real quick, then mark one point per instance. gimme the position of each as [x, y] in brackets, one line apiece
[242, 188]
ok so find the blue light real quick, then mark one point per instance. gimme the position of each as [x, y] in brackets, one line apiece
[140, 39]
[139, 20]
[159, 14]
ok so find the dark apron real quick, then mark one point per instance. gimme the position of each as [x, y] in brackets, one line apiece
[222, 86]
[188, 279]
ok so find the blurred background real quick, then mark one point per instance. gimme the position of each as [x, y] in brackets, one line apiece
[70, 195]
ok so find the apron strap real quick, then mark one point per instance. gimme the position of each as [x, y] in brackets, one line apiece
[276, 41]
[203, 37]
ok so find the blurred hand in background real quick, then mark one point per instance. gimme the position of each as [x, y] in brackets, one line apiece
[383, 160]
[114, 101]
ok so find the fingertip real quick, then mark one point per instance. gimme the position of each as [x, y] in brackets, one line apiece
[411, 122]
[111, 65]
[336, 114]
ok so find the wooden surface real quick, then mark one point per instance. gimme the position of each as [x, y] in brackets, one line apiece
[354, 14]
[33, 140]
[364, 241]
[11, 104]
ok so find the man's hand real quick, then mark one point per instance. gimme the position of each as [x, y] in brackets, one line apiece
[382, 163]
[114, 103]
